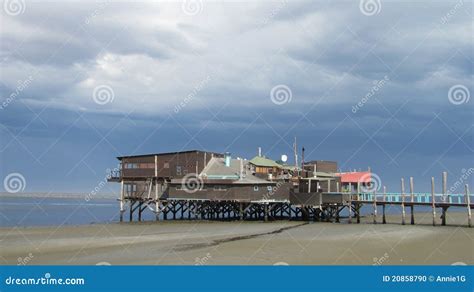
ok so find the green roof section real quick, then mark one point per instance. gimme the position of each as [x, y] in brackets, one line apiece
[265, 162]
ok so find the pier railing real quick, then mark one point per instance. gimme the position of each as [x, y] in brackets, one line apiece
[417, 197]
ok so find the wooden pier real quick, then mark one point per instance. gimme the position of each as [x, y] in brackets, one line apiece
[232, 192]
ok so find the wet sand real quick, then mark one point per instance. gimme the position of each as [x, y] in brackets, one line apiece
[243, 243]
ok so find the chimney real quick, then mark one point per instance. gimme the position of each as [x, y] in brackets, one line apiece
[227, 159]
[259, 151]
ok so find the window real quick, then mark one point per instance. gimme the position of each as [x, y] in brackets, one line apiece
[178, 170]
[130, 188]
[147, 165]
[179, 187]
[255, 188]
[131, 165]
[270, 188]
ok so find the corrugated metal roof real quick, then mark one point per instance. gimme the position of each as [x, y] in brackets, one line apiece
[262, 161]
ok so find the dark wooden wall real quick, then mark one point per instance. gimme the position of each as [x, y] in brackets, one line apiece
[279, 192]
[168, 164]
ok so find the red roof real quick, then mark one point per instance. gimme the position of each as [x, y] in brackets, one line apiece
[355, 177]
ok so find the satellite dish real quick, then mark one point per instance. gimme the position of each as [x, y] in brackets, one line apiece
[284, 158]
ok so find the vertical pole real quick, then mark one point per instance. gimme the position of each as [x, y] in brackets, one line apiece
[157, 199]
[338, 187]
[358, 191]
[468, 203]
[384, 221]
[412, 194]
[375, 207]
[241, 211]
[350, 207]
[445, 197]
[140, 211]
[358, 206]
[403, 200]
[122, 200]
[131, 210]
[266, 212]
[433, 201]
[445, 183]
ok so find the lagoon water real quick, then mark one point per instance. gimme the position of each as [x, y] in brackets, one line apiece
[38, 211]
[27, 211]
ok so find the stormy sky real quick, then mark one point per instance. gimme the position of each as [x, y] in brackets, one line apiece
[372, 83]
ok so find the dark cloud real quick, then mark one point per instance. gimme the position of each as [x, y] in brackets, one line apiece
[179, 81]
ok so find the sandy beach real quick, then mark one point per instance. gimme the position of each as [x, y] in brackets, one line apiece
[242, 243]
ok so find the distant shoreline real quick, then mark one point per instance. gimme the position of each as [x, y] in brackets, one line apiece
[57, 195]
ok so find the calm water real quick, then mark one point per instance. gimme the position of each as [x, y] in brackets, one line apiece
[56, 211]
[27, 211]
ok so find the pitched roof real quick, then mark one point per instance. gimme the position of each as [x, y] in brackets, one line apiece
[262, 161]
[216, 169]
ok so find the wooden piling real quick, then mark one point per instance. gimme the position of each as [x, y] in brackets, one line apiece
[445, 198]
[412, 195]
[122, 200]
[140, 211]
[403, 201]
[384, 221]
[433, 201]
[132, 203]
[357, 205]
[157, 198]
[241, 211]
[375, 207]
[265, 212]
[468, 203]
